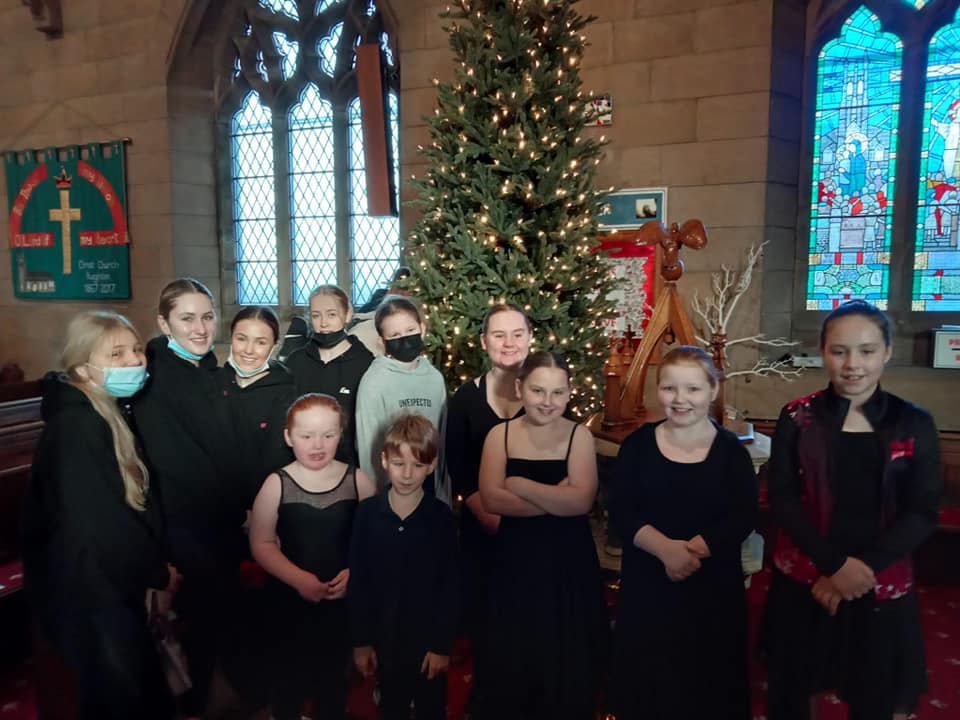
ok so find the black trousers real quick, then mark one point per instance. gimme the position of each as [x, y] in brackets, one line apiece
[210, 567]
[477, 576]
[310, 661]
[111, 655]
[402, 684]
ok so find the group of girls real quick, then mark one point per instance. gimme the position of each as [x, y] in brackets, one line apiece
[152, 465]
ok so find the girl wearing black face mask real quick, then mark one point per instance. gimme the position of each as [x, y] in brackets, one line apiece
[401, 381]
[333, 362]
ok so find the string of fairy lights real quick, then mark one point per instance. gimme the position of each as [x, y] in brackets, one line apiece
[508, 197]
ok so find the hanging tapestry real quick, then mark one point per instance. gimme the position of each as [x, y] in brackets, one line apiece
[68, 222]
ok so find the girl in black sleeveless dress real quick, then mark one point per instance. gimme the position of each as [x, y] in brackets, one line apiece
[307, 508]
[547, 623]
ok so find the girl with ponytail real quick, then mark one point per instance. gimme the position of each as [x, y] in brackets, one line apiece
[91, 528]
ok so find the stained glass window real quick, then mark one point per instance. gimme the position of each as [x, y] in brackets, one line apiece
[305, 224]
[376, 240]
[854, 164]
[936, 266]
[254, 218]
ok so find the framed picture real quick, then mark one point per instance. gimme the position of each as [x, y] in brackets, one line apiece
[629, 209]
[637, 266]
[599, 111]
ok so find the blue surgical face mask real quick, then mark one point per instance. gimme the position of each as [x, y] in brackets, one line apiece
[122, 382]
[180, 350]
[248, 373]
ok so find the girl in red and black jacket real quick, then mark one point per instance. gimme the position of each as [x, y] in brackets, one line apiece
[855, 486]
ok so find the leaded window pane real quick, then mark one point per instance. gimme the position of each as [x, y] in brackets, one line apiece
[312, 194]
[376, 240]
[287, 7]
[289, 50]
[254, 215]
[307, 123]
[327, 49]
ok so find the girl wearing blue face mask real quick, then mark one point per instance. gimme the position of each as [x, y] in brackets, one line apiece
[191, 450]
[258, 392]
[92, 544]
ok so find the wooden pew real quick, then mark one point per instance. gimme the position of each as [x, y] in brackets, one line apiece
[20, 428]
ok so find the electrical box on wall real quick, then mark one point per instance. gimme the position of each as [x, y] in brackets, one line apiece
[946, 347]
[807, 361]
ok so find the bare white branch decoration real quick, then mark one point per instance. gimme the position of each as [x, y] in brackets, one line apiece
[728, 287]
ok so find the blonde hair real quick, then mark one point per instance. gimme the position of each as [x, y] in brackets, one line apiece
[336, 293]
[84, 333]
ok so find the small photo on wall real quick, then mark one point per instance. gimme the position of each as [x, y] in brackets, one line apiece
[599, 111]
[630, 208]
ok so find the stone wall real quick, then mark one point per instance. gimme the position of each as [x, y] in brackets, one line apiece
[707, 102]
[106, 78]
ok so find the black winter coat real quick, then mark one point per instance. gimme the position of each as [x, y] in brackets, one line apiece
[189, 444]
[259, 412]
[338, 378]
[84, 546]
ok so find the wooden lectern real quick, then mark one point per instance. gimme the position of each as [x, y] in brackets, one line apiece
[624, 408]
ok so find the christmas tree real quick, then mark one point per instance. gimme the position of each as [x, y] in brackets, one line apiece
[509, 200]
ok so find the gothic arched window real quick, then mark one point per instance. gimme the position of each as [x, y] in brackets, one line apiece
[884, 186]
[854, 161]
[936, 265]
[289, 112]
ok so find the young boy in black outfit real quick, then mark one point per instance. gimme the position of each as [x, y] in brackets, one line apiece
[402, 595]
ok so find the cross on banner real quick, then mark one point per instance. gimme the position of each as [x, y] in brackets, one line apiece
[64, 215]
[67, 226]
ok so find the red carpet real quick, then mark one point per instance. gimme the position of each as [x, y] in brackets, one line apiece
[940, 608]
[941, 620]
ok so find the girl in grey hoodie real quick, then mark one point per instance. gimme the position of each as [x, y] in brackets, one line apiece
[402, 381]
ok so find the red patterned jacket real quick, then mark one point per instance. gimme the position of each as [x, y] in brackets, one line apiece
[801, 482]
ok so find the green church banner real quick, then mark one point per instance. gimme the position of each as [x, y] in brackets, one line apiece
[68, 222]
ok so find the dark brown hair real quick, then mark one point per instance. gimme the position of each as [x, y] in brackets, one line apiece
[261, 313]
[542, 359]
[177, 289]
[417, 432]
[392, 305]
[691, 355]
[500, 308]
[862, 308]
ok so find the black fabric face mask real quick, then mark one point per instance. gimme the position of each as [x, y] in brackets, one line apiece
[328, 339]
[406, 348]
